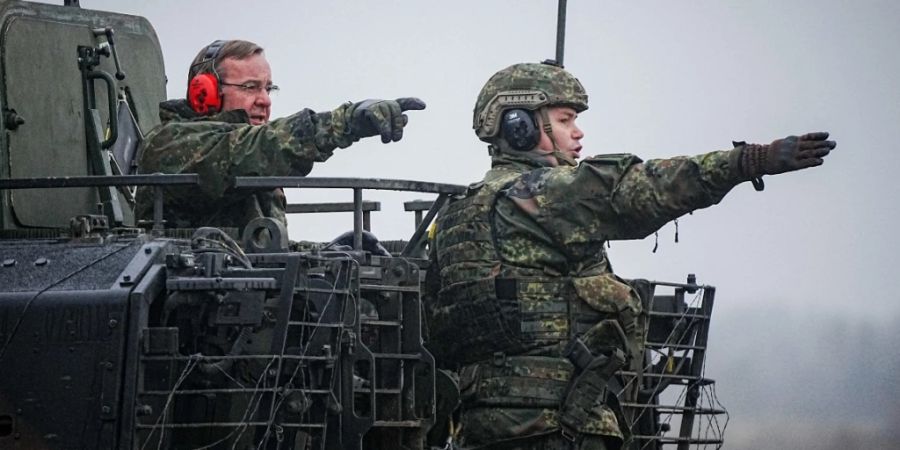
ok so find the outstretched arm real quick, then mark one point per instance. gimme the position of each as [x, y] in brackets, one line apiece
[221, 150]
[621, 197]
[655, 192]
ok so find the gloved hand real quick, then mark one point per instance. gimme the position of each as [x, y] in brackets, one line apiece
[785, 155]
[384, 117]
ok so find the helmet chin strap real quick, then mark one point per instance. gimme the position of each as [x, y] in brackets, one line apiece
[548, 130]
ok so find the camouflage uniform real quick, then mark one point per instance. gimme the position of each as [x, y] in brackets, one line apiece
[223, 146]
[523, 271]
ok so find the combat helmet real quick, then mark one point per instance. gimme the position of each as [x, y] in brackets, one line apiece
[527, 86]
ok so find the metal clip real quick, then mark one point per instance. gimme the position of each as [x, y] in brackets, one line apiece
[567, 433]
[499, 359]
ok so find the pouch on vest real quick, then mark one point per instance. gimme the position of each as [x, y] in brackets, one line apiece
[607, 293]
[516, 382]
[596, 356]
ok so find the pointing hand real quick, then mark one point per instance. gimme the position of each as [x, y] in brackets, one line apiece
[384, 117]
[785, 155]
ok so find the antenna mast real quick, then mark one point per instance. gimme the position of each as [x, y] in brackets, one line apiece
[560, 32]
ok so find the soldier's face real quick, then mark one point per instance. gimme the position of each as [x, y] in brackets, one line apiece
[565, 132]
[244, 86]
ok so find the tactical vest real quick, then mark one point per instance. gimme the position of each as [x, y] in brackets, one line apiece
[485, 308]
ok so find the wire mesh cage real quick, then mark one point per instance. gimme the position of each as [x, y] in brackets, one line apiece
[299, 351]
[667, 398]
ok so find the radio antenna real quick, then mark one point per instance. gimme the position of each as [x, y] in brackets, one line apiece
[560, 32]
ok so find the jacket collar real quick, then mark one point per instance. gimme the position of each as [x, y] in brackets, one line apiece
[179, 111]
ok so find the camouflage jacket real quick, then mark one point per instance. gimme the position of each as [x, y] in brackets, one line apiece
[545, 228]
[223, 146]
[558, 218]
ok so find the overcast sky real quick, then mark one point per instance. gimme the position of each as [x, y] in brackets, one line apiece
[814, 257]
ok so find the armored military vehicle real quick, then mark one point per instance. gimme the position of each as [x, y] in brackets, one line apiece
[118, 334]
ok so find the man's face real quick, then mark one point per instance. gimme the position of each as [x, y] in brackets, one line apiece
[565, 132]
[244, 86]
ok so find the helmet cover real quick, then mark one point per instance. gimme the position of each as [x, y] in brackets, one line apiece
[527, 86]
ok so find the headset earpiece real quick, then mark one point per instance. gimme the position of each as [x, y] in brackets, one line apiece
[204, 94]
[519, 129]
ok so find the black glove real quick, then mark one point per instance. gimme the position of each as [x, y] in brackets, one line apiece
[384, 117]
[785, 155]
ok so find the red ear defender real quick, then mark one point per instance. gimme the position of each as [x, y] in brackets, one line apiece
[203, 94]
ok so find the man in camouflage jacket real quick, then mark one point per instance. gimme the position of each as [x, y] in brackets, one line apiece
[231, 135]
[529, 311]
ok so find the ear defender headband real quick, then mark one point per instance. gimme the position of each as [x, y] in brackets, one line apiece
[519, 130]
[204, 93]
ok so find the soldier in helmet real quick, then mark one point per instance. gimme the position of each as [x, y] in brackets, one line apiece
[222, 130]
[529, 311]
